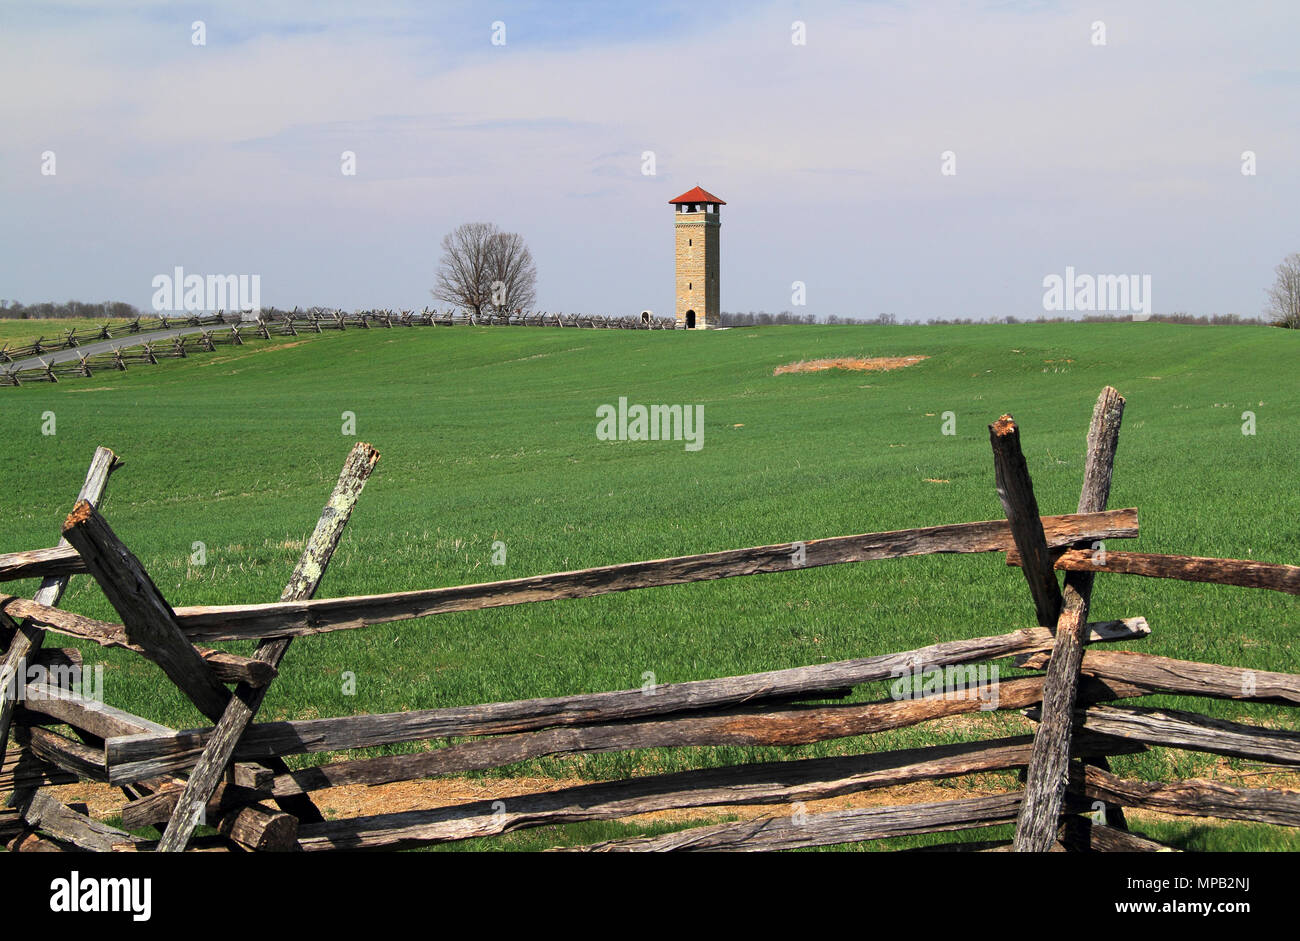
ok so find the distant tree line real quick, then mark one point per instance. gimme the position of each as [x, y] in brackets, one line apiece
[763, 318]
[50, 310]
[1175, 317]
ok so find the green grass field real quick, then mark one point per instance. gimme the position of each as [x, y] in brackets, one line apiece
[489, 434]
[22, 332]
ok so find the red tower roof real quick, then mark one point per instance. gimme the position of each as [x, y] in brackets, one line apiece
[697, 195]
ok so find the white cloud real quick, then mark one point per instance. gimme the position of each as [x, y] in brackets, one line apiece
[827, 154]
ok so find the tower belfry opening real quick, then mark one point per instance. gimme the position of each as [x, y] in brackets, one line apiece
[697, 217]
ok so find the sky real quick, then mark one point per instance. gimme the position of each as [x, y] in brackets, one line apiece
[1118, 157]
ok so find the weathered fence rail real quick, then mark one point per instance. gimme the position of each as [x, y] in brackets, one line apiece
[234, 770]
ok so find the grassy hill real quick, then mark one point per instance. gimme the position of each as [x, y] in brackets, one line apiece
[22, 332]
[489, 434]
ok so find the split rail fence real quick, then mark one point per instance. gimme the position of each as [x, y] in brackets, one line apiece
[233, 774]
[232, 330]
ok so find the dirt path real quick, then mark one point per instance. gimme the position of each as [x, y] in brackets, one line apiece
[875, 364]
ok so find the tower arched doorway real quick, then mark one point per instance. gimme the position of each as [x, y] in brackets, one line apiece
[690, 320]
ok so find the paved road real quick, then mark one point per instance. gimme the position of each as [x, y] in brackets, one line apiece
[102, 346]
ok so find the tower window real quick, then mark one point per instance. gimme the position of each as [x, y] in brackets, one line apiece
[690, 242]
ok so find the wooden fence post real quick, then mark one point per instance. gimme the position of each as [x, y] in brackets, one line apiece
[148, 618]
[1048, 771]
[244, 705]
[1016, 491]
[27, 640]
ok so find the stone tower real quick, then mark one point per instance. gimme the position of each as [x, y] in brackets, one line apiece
[698, 220]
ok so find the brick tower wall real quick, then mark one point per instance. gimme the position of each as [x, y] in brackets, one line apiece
[697, 256]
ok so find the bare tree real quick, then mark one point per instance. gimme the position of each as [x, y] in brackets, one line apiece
[483, 267]
[1284, 295]
[513, 275]
[463, 269]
